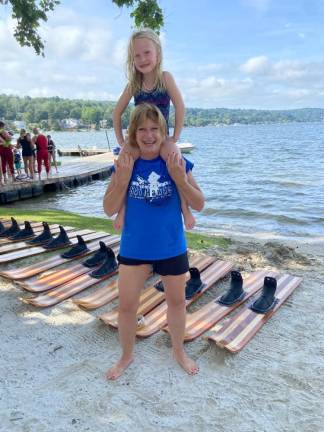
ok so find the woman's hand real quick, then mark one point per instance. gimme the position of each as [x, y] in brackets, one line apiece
[124, 168]
[176, 168]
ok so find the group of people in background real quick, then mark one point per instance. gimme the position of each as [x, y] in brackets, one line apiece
[30, 151]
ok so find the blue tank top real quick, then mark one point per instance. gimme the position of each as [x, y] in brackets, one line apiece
[155, 97]
[153, 227]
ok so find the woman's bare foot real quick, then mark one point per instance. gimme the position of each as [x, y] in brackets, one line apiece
[118, 369]
[189, 365]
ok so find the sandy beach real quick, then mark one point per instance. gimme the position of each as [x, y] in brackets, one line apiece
[53, 361]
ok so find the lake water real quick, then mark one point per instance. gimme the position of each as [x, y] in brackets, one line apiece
[260, 180]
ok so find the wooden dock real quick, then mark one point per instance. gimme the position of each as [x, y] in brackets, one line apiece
[70, 175]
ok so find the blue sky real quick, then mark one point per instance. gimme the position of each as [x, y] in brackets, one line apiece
[265, 54]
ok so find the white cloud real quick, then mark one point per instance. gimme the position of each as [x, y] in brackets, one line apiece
[255, 65]
[210, 91]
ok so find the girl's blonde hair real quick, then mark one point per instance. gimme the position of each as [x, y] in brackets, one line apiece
[135, 77]
[141, 113]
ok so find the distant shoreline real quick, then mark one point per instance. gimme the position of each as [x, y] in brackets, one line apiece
[54, 113]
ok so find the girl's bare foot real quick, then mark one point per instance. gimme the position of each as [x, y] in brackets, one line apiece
[189, 221]
[118, 222]
[189, 365]
[118, 369]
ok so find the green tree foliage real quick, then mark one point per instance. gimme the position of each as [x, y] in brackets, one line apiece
[30, 14]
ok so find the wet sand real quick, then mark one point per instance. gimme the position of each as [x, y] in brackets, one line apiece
[53, 361]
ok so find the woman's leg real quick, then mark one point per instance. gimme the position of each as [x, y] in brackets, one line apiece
[131, 282]
[50, 161]
[175, 297]
[30, 164]
[39, 165]
[25, 159]
[46, 163]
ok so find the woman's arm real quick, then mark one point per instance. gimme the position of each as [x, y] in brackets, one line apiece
[116, 192]
[185, 182]
[120, 107]
[178, 104]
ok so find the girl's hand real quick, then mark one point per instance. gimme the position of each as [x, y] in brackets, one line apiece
[176, 169]
[124, 168]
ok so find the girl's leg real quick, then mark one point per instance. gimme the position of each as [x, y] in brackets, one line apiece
[131, 282]
[176, 314]
[168, 147]
[188, 217]
[54, 160]
[119, 219]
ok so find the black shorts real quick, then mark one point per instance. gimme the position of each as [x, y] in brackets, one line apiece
[166, 267]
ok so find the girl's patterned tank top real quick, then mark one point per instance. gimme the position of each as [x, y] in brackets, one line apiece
[155, 97]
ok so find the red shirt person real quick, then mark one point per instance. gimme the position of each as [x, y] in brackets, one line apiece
[40, 142]
[6, 154]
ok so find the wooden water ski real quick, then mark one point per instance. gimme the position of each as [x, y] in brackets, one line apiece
[59, 277]
[101, 297]
[149, 298]
[18, 245]
[157, 318]
[37, 227]
[235, 333]
[65, 291]
[204, 318]
[55, 260]
[36, 250]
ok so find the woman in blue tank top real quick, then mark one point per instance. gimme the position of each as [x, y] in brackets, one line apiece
[153, 235]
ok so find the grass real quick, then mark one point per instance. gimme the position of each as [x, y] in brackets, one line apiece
[195, 241]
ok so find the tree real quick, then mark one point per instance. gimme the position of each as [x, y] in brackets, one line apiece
[29, 15]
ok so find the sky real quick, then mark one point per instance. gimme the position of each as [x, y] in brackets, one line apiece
[261, 54]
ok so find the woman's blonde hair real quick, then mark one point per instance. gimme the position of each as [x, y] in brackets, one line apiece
[141, 113]
[135, 77]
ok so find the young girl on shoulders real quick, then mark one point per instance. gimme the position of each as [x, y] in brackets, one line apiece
[148, 83]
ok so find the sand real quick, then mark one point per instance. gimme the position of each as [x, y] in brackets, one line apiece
[53, 361]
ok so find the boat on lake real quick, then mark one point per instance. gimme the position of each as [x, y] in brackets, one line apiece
[185, 147]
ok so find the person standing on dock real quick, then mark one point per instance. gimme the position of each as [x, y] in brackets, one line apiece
[6, 153]
[40, 142]
[51, 152]
[24, 142]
